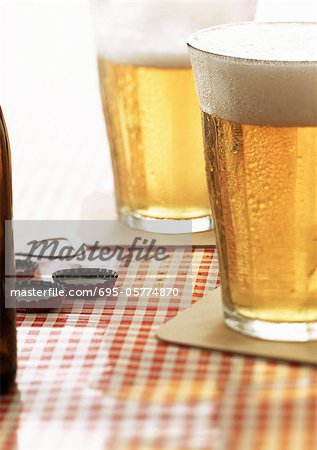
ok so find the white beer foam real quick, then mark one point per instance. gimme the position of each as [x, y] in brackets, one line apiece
[154, 33]
[258, 73]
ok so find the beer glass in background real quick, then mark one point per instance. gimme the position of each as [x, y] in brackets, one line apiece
[151, 108]
[257, 87]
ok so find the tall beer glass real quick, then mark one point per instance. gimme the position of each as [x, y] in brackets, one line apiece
[257, 87]
[150, 105]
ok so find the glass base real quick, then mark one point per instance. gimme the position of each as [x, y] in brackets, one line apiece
[165, 226]
[272, 331]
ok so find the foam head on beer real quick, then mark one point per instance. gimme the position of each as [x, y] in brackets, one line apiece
[257, 73]
[154, 33]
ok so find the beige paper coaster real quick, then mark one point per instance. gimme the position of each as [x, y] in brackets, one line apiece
[202, 326]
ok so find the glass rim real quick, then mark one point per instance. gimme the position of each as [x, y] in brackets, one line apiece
[194, 45]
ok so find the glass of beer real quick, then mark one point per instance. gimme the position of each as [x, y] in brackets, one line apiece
[257, 87]
[151, 109]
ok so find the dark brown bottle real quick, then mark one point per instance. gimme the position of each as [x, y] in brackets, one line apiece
[8, 350]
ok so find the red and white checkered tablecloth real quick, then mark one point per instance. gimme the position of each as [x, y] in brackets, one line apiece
[95, 377]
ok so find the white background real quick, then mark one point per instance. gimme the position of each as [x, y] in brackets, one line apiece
[49, 94]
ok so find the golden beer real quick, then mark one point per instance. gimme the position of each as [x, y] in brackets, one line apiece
[151, 109]
[152, 116]
[259, 114]
[263, 185]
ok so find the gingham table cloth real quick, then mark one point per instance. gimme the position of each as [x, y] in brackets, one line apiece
[95, 377]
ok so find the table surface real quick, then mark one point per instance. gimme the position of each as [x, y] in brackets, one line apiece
[95, 377]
